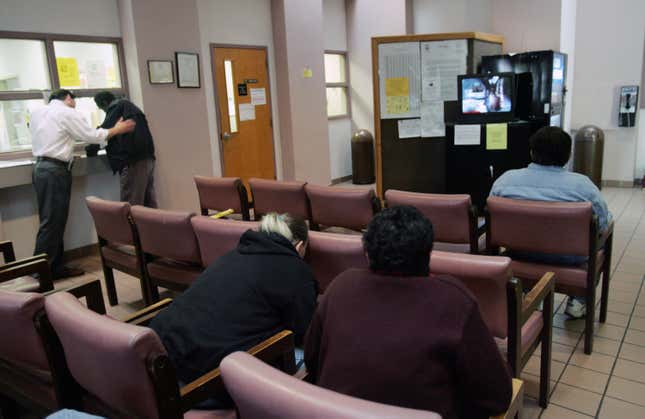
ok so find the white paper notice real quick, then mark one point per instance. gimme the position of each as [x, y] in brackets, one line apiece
[443, 60]
[258, 96]
[399, 80]
[432, 124]
[431, 89]
[467, 134]
[410, 128]
[247, 112]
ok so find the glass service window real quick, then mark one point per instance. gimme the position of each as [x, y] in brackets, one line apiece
[23, 65]
[336, 85]
[14, 123]
[87, 65]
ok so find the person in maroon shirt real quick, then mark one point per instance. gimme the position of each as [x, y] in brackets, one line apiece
[395, 334]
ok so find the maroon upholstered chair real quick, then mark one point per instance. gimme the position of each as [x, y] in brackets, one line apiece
[555, 228]
[119, 244]
[515, 321]
[351, 208]
[16, 275]
[171, 252]
[454, 218]
[222, 193]
[217, 237]
[261, 391]
[281, 197]
[330, 254]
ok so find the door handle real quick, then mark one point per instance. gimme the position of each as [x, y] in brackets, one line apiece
[226, 135]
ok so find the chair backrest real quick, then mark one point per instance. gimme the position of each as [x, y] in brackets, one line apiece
[450, 214]
[341, 207]
[111, 219]
[167, 234]
[279, 196]
[486, 277]
[217, 237]
[20, 341]
[106, 357]
[330, 254]
[536, 226]
[261, 391]
[222, 193]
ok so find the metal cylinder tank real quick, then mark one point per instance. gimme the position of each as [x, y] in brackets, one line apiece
[362, 158]
[588, 152]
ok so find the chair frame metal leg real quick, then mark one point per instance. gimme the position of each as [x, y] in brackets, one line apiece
[606, 275]
[545, 352]
[110, 286]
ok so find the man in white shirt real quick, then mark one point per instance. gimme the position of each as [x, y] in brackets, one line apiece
[54, 128]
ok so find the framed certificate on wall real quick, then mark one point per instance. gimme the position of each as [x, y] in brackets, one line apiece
[187, 69]
[160, 72]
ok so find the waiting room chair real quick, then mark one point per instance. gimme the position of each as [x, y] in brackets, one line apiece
[17, 275]
[123, 370]
[554, 228]
[262, 392]
[218, 237]
[222, 193]
[454, 219]
[119, 244]
[170, 249]
[515, 321]
[350, 208]
[281, 197]
[330, 254]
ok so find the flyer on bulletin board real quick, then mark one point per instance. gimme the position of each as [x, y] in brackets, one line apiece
[68, 71]
[496, 136]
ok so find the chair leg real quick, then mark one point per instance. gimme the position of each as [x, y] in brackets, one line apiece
[153, 292]
[604, 296]
[110, 286]
[545, 351]
[145, 291]
[589, 319]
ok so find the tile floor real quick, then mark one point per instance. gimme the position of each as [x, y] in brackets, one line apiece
[610, 383]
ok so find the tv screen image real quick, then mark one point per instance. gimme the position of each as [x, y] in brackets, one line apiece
[486, 94]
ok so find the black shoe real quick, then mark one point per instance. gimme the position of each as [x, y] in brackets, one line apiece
[68, 272]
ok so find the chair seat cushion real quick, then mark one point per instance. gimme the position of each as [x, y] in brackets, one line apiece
[530, 331]
[121, 256]
[211, 414]
[22, 284]
[170, 271]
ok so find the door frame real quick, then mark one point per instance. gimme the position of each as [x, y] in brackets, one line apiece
[211, 47]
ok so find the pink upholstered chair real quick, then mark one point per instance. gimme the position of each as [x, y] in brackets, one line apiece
[262, 392]
[351, 208]
[454, 218]
[559, 228]
[123, 370]
[119, 244]
[171, 252]
[222, 193]
[16, 275]
[217, 237]
[515, 321]
[329, 254]
[281, 197]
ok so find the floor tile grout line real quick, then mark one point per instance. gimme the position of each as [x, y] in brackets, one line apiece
[620, 347]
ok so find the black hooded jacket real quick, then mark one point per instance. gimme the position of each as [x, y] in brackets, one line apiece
[243, 298]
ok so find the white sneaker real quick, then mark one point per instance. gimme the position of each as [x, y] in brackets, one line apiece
[576, 308]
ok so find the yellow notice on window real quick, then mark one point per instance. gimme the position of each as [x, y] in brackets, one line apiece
[397, 86]
[68, 72]
[397, 105]
[496, 136]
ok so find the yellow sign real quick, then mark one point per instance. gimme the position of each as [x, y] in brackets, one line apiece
[496, 136]
[398, 86]
[397, 105]
[68, 72]
[307, 73]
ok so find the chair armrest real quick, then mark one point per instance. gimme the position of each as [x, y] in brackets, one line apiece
[517, 401]
[538, 293]
[32, 266]
[606, 234]
[6, 248]
[91, 291]
[145, 315]
[211, 383]
[23, 261]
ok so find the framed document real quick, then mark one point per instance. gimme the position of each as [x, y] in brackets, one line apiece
[187, 69]
[160, 72]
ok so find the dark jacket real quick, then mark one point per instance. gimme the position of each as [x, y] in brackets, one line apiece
[417, 342]
[243, 298]
[128, 148]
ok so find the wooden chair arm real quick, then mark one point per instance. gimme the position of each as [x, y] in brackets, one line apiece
[607, 234]
[6, 248]
[22, 261]
[517, 401]
[538, 293]
[211, 383]
[32, 266]
[91, 291]
[146, 314]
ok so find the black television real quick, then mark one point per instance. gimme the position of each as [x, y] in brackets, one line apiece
[487, 97]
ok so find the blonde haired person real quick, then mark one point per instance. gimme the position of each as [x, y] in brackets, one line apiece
[256, 290]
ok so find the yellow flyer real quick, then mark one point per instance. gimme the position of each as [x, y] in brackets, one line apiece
[496, 136]
[68, 72]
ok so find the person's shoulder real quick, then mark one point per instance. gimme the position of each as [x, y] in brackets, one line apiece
[510, 176]
[452, 288]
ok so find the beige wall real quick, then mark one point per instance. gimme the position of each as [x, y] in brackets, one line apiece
[527, 25]
[439, 16]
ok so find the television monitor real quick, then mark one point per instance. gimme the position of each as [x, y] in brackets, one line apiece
[487, 94]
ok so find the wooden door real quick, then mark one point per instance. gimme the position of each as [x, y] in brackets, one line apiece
[244, 112]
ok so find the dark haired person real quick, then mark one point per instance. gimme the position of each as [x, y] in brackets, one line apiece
[54, 128]
[546, 179]
[132, 155]
[246, 296]
[395, 334]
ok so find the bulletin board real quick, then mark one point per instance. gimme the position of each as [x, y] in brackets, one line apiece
[415, 84]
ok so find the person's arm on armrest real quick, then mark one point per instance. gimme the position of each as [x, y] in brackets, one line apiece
[483, 378]
[302, 310]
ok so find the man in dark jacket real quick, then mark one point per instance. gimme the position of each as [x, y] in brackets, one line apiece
[243, 298]
[132, 155]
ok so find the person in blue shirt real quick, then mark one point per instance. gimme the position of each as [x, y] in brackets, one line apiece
[546, 179]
